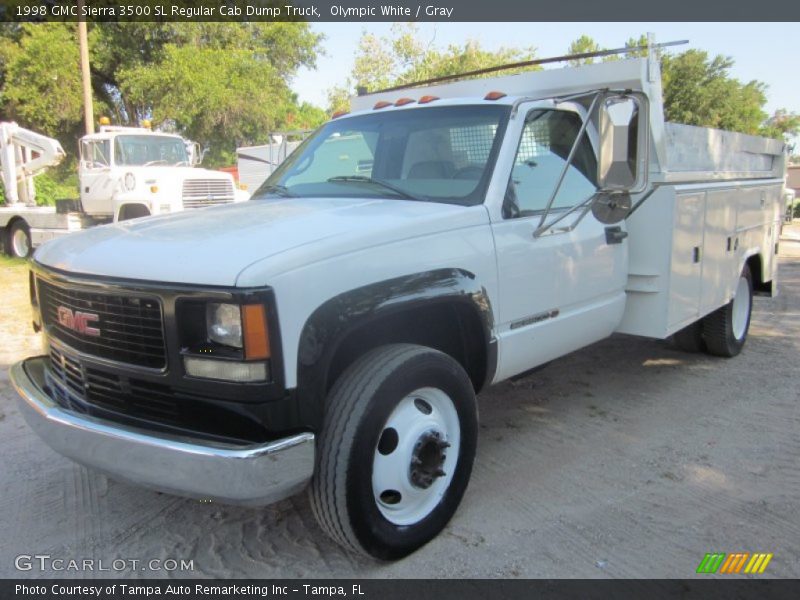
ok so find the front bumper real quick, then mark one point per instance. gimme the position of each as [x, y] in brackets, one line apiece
[252, 475]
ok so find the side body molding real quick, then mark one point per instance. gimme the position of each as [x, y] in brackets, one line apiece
[332, 323]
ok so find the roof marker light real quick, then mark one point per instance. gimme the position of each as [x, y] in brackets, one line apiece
[426, 99]
[495, 95]
[381, 104]
[340, 113]
[404, 101]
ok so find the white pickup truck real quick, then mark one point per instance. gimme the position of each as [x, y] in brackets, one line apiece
[332, 333]
[123, 173]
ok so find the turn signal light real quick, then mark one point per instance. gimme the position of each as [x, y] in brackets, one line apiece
[153, 189]
[256, 334]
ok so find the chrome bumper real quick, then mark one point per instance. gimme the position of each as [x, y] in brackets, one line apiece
[251, 475]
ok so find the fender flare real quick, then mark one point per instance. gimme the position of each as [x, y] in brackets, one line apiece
[330, 323]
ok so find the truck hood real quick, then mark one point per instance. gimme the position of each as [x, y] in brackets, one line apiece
[214, 246]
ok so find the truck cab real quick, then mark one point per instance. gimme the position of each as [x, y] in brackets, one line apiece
[128, 172]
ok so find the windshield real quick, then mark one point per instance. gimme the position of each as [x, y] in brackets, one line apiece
[440, 154]
[147, 150]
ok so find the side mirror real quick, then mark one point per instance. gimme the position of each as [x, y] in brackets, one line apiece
[195, 154]
[622, 162]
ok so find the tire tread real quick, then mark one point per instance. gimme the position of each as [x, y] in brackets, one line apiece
[345, 408]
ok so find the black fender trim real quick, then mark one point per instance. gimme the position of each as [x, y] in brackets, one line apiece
[329, 325]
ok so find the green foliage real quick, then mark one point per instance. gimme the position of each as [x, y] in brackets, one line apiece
[582, 45]
[403, 57]
[783, 125]
[699, 90]
[50, 188]
[221, 84]
[42, 86]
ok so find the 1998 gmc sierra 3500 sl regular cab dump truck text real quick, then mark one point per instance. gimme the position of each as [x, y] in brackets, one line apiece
[333, 332]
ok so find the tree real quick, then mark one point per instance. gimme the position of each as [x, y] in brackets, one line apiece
[582, 45]
[699, 90]
[222, 84]
[403, 57]
[42, 85]
[237, 98]
[783, 125]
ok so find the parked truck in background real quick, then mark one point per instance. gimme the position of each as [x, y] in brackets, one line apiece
[123, 173]
[332, 333]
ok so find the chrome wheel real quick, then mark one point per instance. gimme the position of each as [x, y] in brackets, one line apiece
[416, 456]
[741, 309]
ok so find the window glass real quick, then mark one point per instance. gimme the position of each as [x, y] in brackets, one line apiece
[96, 153]
[150, 150]
[547, 138]
[423, 153]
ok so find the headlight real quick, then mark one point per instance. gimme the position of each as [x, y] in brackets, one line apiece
[224, 324]
[130, 182]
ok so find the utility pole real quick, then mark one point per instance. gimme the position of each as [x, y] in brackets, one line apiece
[83, 40]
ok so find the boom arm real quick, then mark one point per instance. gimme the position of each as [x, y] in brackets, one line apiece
[23, 155]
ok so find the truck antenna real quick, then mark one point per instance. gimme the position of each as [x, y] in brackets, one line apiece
[529, 63]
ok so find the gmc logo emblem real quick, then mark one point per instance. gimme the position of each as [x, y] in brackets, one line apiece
[78, 321]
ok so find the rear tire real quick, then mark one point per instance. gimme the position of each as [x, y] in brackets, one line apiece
[396, 450]
[690, 338]
[725, 330]
[18, 243]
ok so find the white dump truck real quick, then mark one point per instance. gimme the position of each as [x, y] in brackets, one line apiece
[332, 333]
[124, 172]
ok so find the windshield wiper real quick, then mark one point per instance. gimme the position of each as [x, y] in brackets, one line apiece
[379, 182]
[278, 190]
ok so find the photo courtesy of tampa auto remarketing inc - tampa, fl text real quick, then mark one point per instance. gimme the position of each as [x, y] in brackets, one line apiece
[385, 299]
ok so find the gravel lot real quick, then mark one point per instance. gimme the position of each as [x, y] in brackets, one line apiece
[626, 459]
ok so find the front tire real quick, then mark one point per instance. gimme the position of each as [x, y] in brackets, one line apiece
[19, 242]
[725, 330]
[396, 450]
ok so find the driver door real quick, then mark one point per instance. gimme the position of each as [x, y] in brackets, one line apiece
[96, 183]
[561, 287]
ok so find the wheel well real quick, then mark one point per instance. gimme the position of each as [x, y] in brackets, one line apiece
[454, 328]
[132, 211]
[755, 264]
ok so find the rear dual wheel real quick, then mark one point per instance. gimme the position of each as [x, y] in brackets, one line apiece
[18, 242]
[396, 450]
[724, 331]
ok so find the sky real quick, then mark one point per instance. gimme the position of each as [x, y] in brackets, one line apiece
[762, 51]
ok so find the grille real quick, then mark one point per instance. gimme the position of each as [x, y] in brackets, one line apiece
[198, 193]
[131, 329]
[105, 390]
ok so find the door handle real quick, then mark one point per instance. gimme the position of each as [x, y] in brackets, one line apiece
[615, 235]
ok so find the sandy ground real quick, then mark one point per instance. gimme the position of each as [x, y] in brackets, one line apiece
[626, 459]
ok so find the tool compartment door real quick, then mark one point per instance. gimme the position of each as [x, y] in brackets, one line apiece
[719, 243]
[687, 268]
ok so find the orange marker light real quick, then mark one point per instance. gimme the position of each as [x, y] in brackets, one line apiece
[381, 104]
[495, 95]
[404, 101]
[256, 335]
[340, 113]
[426, 99]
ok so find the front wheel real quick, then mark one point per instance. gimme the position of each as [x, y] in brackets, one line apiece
[19, 242]
[725, 330]
[396, 450]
